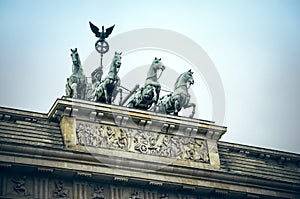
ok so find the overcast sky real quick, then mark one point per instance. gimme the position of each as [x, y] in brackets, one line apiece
[254, 46]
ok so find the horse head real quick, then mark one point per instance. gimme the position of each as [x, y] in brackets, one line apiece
[173, 102]
[157, 64]
[189, 77]
[76, 84]
[185, 79]
[75, 57]
[152, 73]
[116, 63]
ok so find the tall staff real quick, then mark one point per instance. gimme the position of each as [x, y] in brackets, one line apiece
[101, 45]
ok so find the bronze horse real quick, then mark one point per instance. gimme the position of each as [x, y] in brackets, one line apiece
[106, 91]
[173, 102]
[76, 83]
[144, 98]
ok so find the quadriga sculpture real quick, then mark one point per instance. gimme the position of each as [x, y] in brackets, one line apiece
[76, 83]
[144, 97]
[106, 91]
[173, 102]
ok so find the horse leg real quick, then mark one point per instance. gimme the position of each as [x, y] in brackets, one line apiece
[107, 98]
[116, 90]
[157, 92]
[194, 108]
[155, 95]
[68, 88]
[130, 104]
[176, 107]
[79, 91]
[74, 89]
[115, 93]
[121, 96]
[156, 108]
[95, 98]
[97, 93]
[83, 91]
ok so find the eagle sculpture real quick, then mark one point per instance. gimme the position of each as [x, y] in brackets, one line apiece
[103, 34]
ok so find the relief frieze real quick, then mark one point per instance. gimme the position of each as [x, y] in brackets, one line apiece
[140, 141]
[20, 186]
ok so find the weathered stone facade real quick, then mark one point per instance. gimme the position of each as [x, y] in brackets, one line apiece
[142, 142]
[89, 150]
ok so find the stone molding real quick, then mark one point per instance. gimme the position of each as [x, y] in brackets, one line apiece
[117, 161]
[143, 142]
[103, 126]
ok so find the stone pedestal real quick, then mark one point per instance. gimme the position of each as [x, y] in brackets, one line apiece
[137, 135]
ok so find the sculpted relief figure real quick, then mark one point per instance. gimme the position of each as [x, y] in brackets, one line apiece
[19, 186]
[76, 83]
[60, 192]
[144, 97]
[145, 142]
[173, 102]
[98, 192]
[196, 151]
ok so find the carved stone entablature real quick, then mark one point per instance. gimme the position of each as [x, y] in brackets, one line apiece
[132, 133]
[140, 141]
[269, 157]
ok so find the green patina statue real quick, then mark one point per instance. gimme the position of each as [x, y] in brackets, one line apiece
[106, 90]
[103, 34]
[76, 83]
[173, 102]
[96, 80]
[144, 97]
